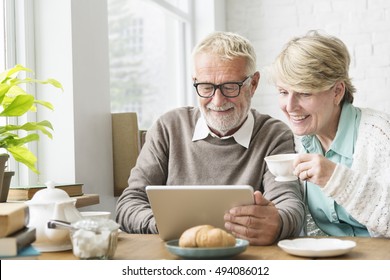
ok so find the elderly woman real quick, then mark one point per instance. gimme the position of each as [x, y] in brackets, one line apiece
[345, 157]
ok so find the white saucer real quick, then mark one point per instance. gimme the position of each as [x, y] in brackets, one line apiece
[206, 253]
[47, 247]
[313, 247]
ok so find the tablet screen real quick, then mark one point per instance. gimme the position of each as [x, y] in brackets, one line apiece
[177, 208]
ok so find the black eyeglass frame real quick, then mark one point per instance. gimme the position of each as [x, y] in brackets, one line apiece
[240, 84]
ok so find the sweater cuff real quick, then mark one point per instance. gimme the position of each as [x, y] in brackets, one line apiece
[279, 235]
[153, 226]
[285, 229]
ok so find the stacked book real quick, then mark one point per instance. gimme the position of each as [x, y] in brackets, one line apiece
[21, 193]
[15, 237]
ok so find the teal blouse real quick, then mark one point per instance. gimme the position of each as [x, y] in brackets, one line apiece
[330, 217]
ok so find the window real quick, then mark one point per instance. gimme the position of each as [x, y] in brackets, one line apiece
[17, 48]
[9, 13]
[150, 45]
[7, 48]
[2, 36]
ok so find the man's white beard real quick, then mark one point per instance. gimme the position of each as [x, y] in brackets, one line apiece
[229, 121]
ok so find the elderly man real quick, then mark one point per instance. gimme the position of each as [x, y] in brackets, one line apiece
[223, 141]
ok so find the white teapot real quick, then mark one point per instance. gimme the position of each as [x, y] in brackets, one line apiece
[52, 204]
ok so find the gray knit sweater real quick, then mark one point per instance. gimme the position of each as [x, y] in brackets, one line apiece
[170, 157]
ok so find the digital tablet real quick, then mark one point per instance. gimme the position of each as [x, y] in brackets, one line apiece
[177, 208]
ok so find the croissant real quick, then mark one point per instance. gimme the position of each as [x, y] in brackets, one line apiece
[206, 236]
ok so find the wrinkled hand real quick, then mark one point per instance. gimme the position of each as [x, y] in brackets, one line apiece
[260, 223]
[314, 168]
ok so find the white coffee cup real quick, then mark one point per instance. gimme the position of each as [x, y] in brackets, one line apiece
[281, 166]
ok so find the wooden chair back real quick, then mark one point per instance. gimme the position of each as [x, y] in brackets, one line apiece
[126, 143]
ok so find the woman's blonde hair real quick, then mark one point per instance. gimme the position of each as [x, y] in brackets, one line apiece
[229, 46]
[314, 63]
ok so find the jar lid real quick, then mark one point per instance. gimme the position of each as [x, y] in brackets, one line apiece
[49, 194]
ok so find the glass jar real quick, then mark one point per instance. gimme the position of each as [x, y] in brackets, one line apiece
[94, 239]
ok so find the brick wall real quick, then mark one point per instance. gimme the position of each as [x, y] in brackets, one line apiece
[363, 25]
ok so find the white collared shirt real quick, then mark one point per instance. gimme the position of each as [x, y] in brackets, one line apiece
[241, 136]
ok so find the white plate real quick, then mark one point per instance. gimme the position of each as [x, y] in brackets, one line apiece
[44, 247]
[313, 247]
[206, 253]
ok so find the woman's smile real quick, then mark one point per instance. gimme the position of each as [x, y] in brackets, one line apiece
[298, 118]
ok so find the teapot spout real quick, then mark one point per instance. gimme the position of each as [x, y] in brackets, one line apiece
[72, 214]
[63, 211]
[66, 211]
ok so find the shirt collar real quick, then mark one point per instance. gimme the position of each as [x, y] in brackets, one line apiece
[346, 133]
[241, 136]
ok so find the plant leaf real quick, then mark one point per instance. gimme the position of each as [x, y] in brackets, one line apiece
[9, 127]
[30, 126]
[41, 126]
[20, 105]
[45, 104]
[11, 72]
[3, 90]
[53, 82]
[14, 91]
[25, 156]
[11, 94]
[15, 102]
[5, 138]
[24, 140]
[50, 81]
[10, 139]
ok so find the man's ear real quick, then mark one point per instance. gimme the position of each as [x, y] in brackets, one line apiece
[255, 82]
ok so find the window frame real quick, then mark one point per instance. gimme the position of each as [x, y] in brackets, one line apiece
[19, 49]
[184, 32]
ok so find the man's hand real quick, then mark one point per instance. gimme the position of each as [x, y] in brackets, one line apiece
[260, 223]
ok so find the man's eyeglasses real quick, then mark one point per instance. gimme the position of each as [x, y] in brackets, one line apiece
[229, 89]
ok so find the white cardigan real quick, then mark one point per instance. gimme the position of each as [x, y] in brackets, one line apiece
[364, 189]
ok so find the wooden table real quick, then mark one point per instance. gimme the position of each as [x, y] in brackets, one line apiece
[151, 247]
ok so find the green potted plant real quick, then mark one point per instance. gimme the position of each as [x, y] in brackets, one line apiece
[16, 102]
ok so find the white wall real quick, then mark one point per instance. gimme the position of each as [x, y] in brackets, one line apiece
[364, 26]
[72, 46]
[209, 16]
